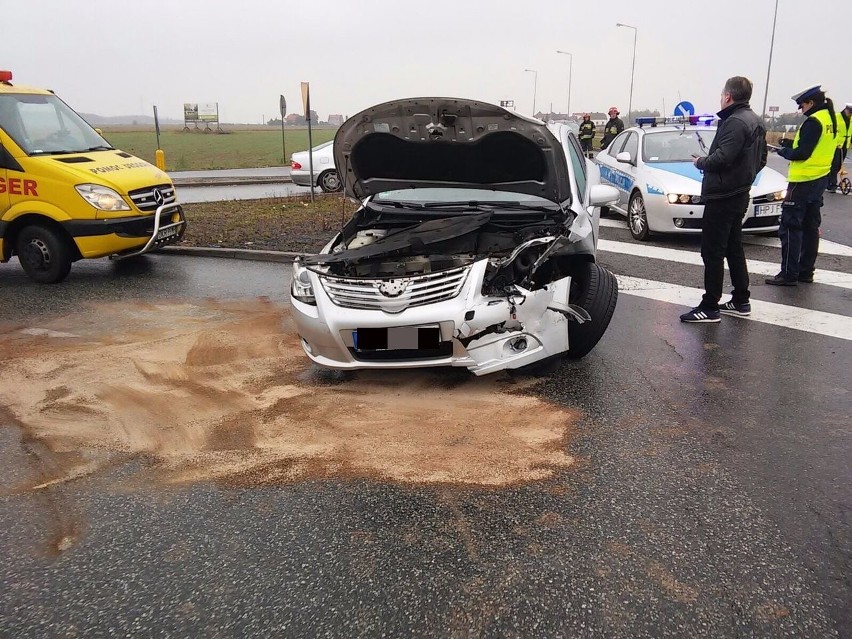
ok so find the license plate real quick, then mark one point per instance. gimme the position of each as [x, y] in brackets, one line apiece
[164, 233]
[397, 338]
[764, 210]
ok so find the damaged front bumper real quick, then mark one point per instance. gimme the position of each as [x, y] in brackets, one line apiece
[482, 333]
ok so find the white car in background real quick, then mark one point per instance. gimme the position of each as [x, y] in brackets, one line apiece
[660, 188]
[326, 176]
[475, 244]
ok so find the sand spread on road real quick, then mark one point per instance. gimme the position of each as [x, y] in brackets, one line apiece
[222, 391]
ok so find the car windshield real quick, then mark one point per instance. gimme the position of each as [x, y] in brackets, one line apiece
[438, 196]
[676, 146]
[45, 125]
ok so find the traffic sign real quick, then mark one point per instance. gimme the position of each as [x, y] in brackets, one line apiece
[282, 104]
[773, 109]
[684, 108]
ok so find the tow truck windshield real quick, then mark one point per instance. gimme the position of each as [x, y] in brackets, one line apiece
[45, 125]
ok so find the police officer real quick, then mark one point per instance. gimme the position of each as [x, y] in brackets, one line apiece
[811, 154]
[842, 140]
[587, 134]
[613, 127]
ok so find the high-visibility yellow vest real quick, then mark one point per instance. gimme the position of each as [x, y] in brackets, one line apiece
[819, 164]
[842, 132]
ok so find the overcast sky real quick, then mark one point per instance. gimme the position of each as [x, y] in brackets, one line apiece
[120, 57]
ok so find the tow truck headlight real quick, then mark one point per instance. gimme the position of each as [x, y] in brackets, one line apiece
[682, 198]
[301, 288]
[102, 197]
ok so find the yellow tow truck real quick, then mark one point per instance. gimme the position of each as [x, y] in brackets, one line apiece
[67, 194]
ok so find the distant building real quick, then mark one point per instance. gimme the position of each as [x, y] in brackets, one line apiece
[335, 119]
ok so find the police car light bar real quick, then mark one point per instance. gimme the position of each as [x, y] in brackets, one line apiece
[5, 76]
[704, 120]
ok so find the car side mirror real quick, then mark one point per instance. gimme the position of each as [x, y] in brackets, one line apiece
[624, 156]
[602, 194]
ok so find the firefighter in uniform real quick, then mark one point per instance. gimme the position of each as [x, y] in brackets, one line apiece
[842, 139]
[811, 154]
[587, 134]
[613, 127]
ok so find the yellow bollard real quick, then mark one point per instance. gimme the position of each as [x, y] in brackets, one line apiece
[160, 159]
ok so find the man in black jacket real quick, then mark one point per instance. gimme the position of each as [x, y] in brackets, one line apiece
[587, 134]
[737, 154]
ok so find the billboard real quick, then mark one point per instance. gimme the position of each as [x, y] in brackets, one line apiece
[203, 112]
[190, 112]
[208, 112]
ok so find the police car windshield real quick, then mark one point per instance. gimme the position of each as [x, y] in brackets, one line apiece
[676, 146]
[45, 125]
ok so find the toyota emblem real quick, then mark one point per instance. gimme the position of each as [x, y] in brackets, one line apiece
[392, 288]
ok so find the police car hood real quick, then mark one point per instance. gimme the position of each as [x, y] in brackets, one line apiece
[449, 143]
[116, 169]
[684, 177]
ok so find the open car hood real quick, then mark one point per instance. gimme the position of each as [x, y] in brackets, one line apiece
[449, 143]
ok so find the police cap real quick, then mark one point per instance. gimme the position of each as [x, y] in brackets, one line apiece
[807, 94]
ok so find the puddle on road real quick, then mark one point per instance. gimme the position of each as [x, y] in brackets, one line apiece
[222, 391]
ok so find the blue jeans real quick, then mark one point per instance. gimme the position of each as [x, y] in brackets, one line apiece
[799, 228]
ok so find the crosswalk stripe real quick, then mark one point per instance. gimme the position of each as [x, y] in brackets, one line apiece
[825, 246]
[800, 319]
[757, 267]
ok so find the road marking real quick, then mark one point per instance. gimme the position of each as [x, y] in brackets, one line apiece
[800, 319]
[832, 278]
[825, 246]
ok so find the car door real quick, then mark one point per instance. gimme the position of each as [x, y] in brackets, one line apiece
[630, 169]
[612, 171]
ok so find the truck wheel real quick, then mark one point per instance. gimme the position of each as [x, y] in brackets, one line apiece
[596, 290]
[637, 218]
[329, 181]
[44, 254]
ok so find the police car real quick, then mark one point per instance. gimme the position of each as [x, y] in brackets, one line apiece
[660, 189]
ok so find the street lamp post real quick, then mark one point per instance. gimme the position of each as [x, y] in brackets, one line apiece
[769, 66]
[632, 70]
[535, 86]
[570, 72]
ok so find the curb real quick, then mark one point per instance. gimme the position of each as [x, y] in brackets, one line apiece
[231, 253]
[233, 181]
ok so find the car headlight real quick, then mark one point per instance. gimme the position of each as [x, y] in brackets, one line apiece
[102, 197]
[301, 288]
[682, 198]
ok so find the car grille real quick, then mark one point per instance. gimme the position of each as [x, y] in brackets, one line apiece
[395, 295]
[766, 198]
[145, 199]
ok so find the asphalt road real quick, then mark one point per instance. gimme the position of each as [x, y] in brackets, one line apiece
[712, 496]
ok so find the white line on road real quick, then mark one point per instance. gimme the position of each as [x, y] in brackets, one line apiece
[832, 278]
[825, 246]
[800, 319]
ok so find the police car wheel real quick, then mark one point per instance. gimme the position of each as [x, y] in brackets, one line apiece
[637, 218]
[44, 254]
[595, 289]
[329, 181]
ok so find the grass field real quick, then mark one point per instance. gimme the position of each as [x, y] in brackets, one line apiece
[234, 150]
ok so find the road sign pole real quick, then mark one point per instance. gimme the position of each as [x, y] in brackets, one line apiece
[282, 106]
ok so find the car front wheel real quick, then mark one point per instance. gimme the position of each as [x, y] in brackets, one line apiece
[637, 218]
[44, 254]
[329, 181]
[594, 289]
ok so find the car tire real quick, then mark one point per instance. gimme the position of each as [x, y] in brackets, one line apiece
[595, 289]
[329, 181]
[44, 254]
[637, 218]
